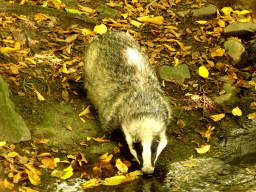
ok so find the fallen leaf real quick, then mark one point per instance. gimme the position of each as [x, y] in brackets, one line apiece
[203, 149]
[226, 10]
[73, 11]
[49, 162]
[87, 31]
[105, 157]
[2, 143]
[85, 112]
[68, 172]
[237, 112]
[13, 154]
[101, 140]
[252, 116]
[218, 53]
[7, 184]
[69, 127]
[217, 117]
[33, 174]
[121, 166]
[39, 96]
[203, 72]
[17, 177]
[135, 23]
[41, 17]
[100, 29]
[158, 20]
[116, 180]
[91, 183]
[97, 172]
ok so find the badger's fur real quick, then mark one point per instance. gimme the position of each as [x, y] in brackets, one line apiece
[123, 86]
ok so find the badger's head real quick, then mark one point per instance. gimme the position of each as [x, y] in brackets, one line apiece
[146, 139]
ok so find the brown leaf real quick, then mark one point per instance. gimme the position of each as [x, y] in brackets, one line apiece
[101, 140]
[17, 177]
[97, 172]
[105, 157]
[8, 184]
[69, 127]
[49, 162]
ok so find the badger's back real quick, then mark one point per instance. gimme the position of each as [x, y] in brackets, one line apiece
[119, 76]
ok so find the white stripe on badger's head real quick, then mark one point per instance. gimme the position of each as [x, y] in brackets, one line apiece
[146, 139]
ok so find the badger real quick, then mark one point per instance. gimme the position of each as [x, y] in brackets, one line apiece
[124, 88]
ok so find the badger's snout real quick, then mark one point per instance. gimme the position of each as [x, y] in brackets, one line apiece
[147, 171]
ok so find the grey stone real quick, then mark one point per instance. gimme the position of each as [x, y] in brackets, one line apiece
[230, 96]
[236, 29]
[236, 51]
[12, 127]
[207, 11]
[179, 73]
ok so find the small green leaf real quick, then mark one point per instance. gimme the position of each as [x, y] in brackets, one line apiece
[73, 11]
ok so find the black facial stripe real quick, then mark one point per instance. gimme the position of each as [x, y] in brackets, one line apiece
[154, 147]
[138, 148]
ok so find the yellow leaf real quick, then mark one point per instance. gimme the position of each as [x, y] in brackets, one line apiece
[100, 29]
[68, 172]
[176, 61]
[39, 96]
[217, 117]
[203, 72]
[82, 119]
[202, 22]
[218, 53]
[121, 166]
[243, 12]
[30, 60]
[56, 160]
[86, 111]
[226, 10]
[252, 116]
[245, 20]
[158, 20]
[33, 174]
[111, 4]
[13, 154]
[49, 162]
[88, 138]
[116, 180]
[105, 157]
[91, 183]
[203, 149]
[87, 31]
[41, 17]
[237, 112]
[253, 105]
[221, 23]
[2, 143]
[135, 23]
[125, 15]
[137, 172]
